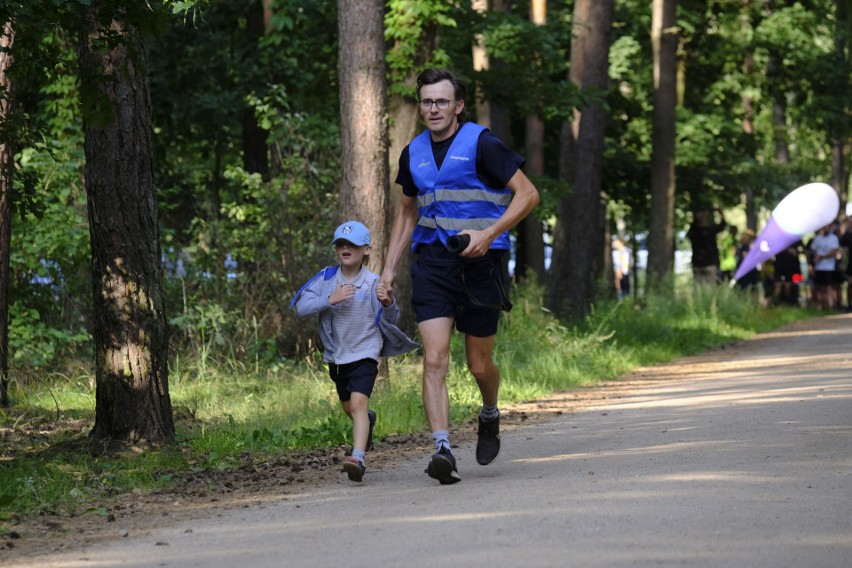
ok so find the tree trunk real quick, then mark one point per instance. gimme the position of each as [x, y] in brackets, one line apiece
[7, 167]
[664, 38]
[130, 331]
[529, 254]
[840, 144]
[585, 222]
[404, 124]
[363, 112]
[255, 139]
[558, 277]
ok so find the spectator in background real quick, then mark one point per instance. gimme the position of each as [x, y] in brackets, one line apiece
[622, 262]
[786, 264]
[751, 279]
[824, 247]
[705, 250]
[845, 242]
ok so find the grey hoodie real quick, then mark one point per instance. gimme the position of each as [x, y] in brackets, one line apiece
[312, 298]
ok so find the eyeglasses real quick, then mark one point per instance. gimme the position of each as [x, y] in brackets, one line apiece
[442, 104]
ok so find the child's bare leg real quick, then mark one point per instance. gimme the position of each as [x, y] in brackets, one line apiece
[358, 406]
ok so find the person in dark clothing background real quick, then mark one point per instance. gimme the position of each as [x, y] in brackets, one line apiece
[750, 279]
[705, 250]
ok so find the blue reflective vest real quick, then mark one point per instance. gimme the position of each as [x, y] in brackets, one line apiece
[453, 198]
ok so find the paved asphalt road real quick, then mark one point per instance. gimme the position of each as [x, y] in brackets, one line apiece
[738, 458]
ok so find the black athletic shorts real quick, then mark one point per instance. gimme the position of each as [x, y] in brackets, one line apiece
[358, 376]
[825, 277]
[472, 292]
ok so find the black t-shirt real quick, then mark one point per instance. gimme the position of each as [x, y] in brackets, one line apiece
[496, 163]
[705, 251]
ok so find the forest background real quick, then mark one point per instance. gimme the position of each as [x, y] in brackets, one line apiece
[188, 160]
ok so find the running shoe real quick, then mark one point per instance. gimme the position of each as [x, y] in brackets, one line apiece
[488, 443]
[442, 467]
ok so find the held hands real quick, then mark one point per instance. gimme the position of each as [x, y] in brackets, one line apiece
[344, 292]
[382, 293]
[386, 282]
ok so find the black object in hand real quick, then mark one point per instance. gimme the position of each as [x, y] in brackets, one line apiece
[458, 243]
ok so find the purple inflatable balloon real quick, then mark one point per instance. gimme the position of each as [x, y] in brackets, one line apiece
[804, 210]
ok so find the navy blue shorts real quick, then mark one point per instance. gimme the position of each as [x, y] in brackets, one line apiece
[471, 292]
[357, 376]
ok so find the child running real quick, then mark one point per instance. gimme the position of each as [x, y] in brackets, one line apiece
[356, 317]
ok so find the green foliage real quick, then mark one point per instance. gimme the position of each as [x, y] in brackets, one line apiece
[406, 22]
[35, 344]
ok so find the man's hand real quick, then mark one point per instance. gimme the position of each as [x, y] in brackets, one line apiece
[386, 282]
[479, 243]
[344, 292]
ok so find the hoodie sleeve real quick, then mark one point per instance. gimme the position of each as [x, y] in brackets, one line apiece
[312, 298]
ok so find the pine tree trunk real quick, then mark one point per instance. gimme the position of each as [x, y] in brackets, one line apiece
[363, 111]
[529, 256]
[130, 331]
[661, 233]
[558, 277]
[7, 158]
[404, 124]
[585, 222]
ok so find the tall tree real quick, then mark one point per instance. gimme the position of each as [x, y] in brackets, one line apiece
[363, 112]
[130, 331]
[581, 213]
[839, 129]
[586, 219]
[413, 37]
[561, 261]
[7, 165]
[530, 251]
[664, 39]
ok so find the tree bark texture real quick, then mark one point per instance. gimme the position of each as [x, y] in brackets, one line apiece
[363, 112]
[130, 331]
[557, 279]
[581, 214]
[664, 39]
[7, 166]
[586, 213]
[404, 126]
[839, 131]
[529, 256]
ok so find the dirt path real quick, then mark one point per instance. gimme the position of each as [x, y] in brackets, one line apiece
[742, 456]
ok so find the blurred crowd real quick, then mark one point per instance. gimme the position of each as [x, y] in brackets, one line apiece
[815, 272]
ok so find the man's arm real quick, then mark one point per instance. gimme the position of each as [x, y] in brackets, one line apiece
[524, 200]
[403, 227]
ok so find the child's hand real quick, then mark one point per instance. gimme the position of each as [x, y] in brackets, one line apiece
[382, 294]
[344, 292]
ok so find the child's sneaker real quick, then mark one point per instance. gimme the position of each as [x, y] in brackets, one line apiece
[354, 469]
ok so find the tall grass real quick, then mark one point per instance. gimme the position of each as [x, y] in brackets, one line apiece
[228, 411]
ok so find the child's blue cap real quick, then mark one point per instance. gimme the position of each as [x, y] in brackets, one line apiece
[354, 232]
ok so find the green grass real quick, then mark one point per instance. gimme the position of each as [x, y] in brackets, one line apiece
[228, 411]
